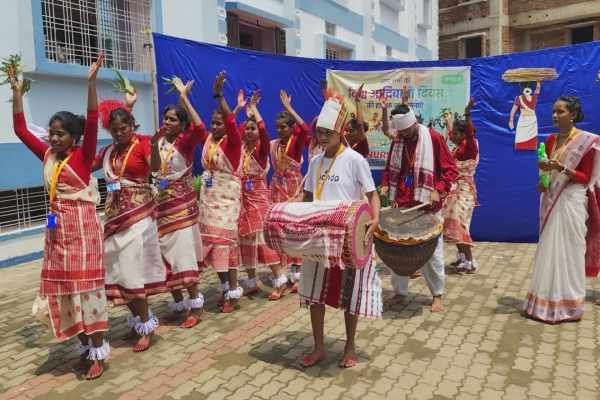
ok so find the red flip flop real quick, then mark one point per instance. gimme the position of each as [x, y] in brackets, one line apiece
[96, 370]
[190, 322]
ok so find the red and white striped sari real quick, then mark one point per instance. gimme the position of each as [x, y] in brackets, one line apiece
[286, 184]
[134, 266]
[177, 220]
[460, 203]
[220, 206]
[72, 270]
[255, 203]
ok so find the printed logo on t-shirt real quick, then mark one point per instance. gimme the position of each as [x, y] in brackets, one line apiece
[330, 178]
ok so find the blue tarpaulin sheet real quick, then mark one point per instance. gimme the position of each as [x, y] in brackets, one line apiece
[506, 178]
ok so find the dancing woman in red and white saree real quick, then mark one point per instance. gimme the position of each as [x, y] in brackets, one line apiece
[462, 199]
[256, 199]
[339, 173]
[569, 244]
[220, 199]
[72, 272]
[177, 209]
[286, 183]
[132, 258]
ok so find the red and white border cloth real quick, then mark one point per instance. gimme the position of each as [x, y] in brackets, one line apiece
[357, 292]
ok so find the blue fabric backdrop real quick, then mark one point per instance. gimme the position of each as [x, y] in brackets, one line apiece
[506, 179]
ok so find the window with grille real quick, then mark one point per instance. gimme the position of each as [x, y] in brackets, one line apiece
[75, 30]
[333, 52]
[23, 208]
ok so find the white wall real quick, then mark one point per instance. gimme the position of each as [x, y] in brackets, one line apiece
[188, 19]
[13, 41]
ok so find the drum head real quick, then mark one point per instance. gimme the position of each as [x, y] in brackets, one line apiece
[360, 252]
[408, 228]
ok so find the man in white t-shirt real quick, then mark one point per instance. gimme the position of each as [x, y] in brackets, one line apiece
[339, 173]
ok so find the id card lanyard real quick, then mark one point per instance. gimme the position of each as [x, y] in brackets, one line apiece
[51, 220]
[116, 185]
[164, 164]
[248, 184]
[212, 152]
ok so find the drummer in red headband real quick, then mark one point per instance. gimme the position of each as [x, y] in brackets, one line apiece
[419, 170]
[339, 173]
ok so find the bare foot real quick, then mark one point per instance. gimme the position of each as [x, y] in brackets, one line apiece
[142, 344]
[312, 359]
[397, 299]
[96, 370]
[437, 305]
[349, 360]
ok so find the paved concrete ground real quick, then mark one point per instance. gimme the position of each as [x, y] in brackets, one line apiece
[479, 348]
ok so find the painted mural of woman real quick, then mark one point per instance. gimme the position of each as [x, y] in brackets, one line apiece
[527, 126]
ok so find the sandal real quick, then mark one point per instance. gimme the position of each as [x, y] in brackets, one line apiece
[96, 370]
[227, 308]
[190, 321]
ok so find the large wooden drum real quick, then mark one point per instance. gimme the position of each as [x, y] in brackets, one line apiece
[405, 241]
[330, 232]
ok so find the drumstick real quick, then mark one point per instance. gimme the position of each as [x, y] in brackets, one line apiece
[415, 208]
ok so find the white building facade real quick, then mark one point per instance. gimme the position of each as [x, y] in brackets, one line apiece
[58, 39]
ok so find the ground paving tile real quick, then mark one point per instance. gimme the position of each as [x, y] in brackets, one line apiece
[479, 348]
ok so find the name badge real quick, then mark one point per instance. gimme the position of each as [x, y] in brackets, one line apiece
[163, 184]
[249, 185]
[113, 186]
[208, 181]
[51, 220]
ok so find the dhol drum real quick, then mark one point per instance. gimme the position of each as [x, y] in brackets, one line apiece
[331, 232]
[405, 240]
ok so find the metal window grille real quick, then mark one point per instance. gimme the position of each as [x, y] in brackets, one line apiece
[75, 30]
[23, 208]
[333, 52]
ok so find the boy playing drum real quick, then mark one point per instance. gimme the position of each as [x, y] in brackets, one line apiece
[339, 173]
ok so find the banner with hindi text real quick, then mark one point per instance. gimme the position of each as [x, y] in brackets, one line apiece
[432, 91]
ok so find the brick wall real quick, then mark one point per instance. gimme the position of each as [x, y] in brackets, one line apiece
[546, 39]
[448, 50]
[518, 6]
[465, 13]
[507, 40]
